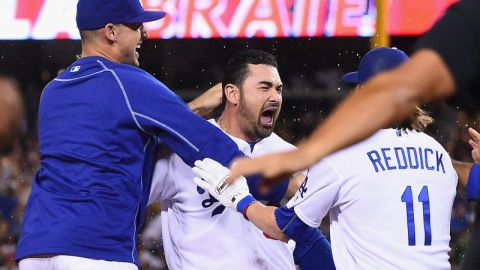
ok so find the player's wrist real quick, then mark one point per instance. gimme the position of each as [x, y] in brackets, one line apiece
[244, 203]
[473, 185]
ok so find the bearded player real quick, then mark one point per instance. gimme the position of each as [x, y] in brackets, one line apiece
[252, 98]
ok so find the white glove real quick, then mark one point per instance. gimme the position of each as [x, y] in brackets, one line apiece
[211, 176]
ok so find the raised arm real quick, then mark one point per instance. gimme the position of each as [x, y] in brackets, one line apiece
[207, 102]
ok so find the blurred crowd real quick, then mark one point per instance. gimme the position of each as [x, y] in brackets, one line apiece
[299, 115]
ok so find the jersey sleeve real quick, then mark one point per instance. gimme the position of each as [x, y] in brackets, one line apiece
[456, 38]
[317, 194]
[156, 110]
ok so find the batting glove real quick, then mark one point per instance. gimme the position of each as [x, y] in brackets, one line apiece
[211, 176]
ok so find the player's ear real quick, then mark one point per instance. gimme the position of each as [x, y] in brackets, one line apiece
[232, 93]
[111, 32]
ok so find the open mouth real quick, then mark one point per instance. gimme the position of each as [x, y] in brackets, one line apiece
[267, 116]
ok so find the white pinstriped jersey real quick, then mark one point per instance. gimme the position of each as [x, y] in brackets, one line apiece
[390, 199]
[199, 233]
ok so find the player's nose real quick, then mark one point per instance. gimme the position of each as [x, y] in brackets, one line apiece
[275, 96]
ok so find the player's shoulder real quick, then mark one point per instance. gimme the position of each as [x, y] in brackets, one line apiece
[430, 141]
[132, 74]
[133, 78]
[276, 142]
[353, 150]
[421, 138]
[354, 154]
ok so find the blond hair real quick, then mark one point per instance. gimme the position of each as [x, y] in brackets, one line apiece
[419, 120]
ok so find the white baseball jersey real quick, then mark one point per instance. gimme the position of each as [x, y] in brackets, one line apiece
[390, 199]
[200, 233]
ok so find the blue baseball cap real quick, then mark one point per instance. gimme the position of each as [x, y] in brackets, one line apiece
[95, 14]
[376, 61]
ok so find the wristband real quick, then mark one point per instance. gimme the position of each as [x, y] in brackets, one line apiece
[473, 185]
[244, 203]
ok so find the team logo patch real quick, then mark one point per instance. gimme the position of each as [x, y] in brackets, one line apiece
[207, 203]
[303, 187]
[75, 69]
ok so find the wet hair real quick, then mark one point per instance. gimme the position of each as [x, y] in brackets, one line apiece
[237, 68]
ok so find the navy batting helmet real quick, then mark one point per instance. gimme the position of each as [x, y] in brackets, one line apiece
[375, 61]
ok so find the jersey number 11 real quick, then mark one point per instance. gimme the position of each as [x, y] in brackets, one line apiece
[407, 198]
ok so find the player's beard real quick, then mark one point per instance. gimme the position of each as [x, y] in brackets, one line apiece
[254, 127]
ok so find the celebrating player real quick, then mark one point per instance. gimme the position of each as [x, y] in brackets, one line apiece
[389, 197]
[252, 99]
[99, 124]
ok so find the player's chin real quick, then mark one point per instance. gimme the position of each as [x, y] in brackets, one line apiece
[264, 131]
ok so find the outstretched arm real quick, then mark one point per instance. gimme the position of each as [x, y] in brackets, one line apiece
[386, 99]
[211, 177]
[312, 250]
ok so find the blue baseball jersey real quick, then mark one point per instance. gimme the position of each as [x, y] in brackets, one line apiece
[98, 125]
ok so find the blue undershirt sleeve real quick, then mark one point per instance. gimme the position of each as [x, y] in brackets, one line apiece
[473, 185]
[312, 250]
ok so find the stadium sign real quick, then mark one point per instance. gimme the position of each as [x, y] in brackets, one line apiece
[55, 19]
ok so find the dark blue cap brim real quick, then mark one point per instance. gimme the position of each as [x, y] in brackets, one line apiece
[147, 16]
[351, 77]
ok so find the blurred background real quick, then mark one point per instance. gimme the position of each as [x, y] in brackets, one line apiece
[316, 41]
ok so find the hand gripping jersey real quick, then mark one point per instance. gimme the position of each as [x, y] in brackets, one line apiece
[99, 124]
[200, 233]
[390, 199]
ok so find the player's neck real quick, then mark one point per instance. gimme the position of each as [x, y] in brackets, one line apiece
[96, 50]
[232, 126]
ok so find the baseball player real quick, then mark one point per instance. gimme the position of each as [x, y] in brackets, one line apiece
[99, 124]
[252, 98]
[389, 197]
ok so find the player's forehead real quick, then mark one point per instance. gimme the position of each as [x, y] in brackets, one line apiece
[263, 73]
